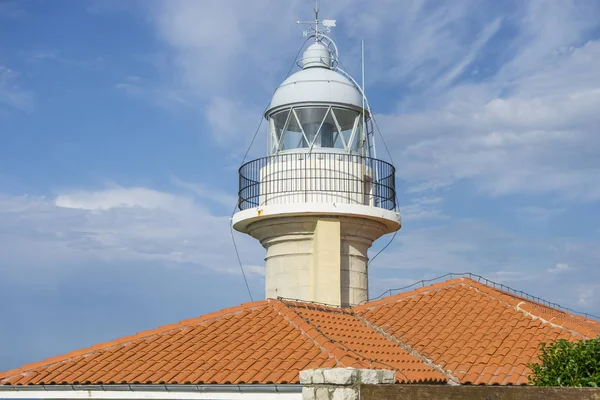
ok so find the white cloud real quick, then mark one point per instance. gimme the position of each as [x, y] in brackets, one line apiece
[258, 270]
[122, 198]
[430, 185]
[208, 193]
[560, 268]
[11, 93]
[539, 138]
[485, 35]
[511, 277]
[128, 225]
[452, 246]
[241, 50]
[422, 208]
[219, 45]
[118, 225]
[540, 214]
[587, 295]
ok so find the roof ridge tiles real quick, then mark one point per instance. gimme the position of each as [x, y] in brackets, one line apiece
[523, 305]
[409, 349]
[515, 299]
[300, 323]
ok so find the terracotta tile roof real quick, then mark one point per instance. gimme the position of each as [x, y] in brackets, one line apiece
[263, 342]
[458, 330]
[476, 333]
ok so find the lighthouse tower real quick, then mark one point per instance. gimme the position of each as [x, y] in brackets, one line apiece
[320, 197]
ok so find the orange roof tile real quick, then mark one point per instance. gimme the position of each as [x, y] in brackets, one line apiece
[458, 330]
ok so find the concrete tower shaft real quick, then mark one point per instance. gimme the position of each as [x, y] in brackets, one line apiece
[317, 258]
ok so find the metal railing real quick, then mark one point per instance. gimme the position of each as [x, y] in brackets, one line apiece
[317, 178]
[488, 282]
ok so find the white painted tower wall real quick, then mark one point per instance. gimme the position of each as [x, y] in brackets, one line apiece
[314, 178]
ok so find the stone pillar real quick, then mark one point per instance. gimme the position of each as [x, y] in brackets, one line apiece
[325, 274]
[341, 383]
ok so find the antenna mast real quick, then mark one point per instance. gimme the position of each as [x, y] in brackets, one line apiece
[316, 20]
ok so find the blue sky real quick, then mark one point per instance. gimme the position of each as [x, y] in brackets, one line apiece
[122, 125]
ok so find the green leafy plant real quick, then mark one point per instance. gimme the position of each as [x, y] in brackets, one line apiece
[565, 363]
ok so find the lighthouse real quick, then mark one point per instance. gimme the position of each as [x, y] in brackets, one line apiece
[320, 197]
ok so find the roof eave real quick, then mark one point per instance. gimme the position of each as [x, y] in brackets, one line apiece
[140, 391]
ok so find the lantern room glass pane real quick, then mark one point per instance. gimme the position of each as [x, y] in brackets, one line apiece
[292, 137]
[277, 123]
[311, 119]
[279, 120]
[347, 119]
[338, 142]
[293, 140]
[328, 132]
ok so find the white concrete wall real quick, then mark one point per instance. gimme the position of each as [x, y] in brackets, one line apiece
[304, 178]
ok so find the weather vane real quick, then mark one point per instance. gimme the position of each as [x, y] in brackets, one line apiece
[326, 24]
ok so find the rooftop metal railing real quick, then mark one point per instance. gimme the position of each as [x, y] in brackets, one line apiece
[489, 282]
[317, 178]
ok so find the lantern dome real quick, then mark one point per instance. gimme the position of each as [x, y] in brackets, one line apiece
[316, 83]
